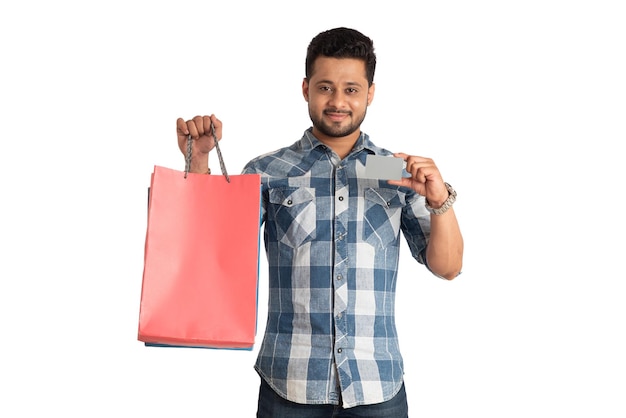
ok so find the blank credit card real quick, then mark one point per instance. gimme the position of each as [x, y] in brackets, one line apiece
[383, 168]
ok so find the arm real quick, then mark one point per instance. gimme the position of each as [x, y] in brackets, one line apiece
[444, 253]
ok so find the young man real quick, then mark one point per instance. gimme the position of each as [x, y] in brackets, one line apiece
[332, 239]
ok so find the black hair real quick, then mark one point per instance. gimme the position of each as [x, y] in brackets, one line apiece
[342, 43]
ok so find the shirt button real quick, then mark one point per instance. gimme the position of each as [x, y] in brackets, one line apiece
[339, 277]
[289, 202]
[341, 198]
[339, 350]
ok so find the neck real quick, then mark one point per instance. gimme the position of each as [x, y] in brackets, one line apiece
[340, 145]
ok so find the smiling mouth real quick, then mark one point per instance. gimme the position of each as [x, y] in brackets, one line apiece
[337, 115]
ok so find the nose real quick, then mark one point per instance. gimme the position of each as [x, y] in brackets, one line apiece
[337, 99]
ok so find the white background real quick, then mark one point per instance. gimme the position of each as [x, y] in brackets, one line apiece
[521, 104]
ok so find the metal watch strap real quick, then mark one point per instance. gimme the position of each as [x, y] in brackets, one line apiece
[446, 205]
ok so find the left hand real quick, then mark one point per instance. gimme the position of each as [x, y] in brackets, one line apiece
[425, 179]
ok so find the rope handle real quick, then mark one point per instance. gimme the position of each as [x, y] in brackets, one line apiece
[217, 148]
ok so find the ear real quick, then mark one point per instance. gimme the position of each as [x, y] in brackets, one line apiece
[370, 93]
[305, 89]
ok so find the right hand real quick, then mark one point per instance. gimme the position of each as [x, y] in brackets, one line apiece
[202, 139]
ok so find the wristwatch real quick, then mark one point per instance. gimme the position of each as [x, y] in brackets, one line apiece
[446, 205]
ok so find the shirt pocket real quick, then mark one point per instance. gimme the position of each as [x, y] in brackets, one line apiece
[294, 214]
[383, 210]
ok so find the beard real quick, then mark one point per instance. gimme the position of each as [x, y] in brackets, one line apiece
[337, 130]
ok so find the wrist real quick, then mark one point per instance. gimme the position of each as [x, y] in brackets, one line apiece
[200, 166]
[445, 205]
[437, 203]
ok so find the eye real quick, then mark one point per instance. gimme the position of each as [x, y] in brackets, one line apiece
[325, 89]
[351, 90]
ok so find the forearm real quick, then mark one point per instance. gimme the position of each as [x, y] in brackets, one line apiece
[200, 164]
[444, 253]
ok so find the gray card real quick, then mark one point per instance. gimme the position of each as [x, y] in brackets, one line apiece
[383, 168]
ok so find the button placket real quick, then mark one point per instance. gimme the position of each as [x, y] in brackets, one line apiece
[341, 253]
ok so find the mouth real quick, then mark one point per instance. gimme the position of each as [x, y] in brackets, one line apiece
[336, 115]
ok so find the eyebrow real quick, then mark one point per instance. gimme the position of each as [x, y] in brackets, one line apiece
[349, 83]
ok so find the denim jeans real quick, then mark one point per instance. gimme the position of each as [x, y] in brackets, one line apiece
[271, 405]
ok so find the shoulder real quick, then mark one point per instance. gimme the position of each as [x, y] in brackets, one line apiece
[291, 160]
[264, 163]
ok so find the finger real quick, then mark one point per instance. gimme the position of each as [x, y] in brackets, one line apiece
[203, 124]
[181, 132]
[207, 126]
[181, 127]
[409, 165]
[411, 161]
[412, 166]
[403, 182]
[395, 182]
[192, 128]
[417, 170]
[421, 175]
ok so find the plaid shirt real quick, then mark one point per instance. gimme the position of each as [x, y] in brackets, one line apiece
[332, 241]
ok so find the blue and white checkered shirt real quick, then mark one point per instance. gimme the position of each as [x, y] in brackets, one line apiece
[332, 239]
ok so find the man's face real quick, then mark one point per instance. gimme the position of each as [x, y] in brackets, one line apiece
[338, 96]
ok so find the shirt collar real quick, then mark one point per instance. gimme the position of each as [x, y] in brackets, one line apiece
[309, 142]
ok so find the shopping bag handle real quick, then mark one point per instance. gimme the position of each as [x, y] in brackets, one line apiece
[217, 148]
